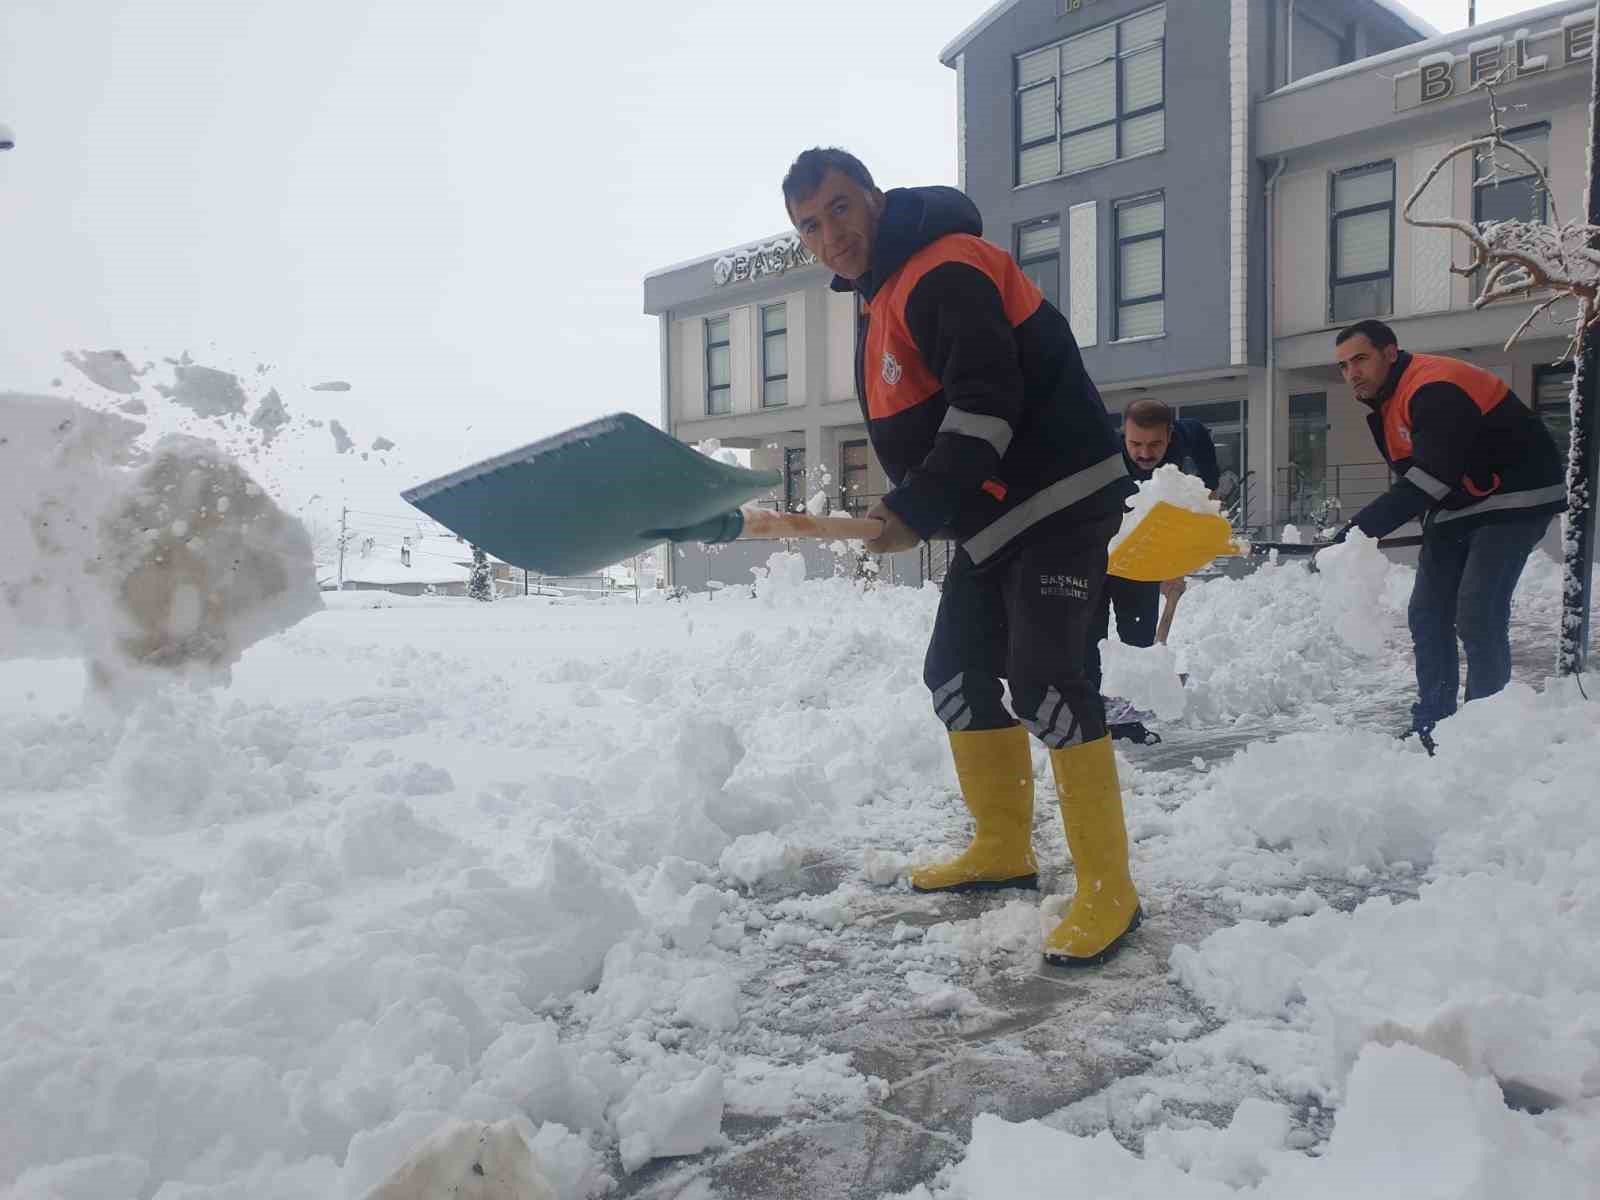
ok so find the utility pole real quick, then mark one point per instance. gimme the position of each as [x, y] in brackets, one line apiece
[344, 517]
[1583, 464]
[1472, 13]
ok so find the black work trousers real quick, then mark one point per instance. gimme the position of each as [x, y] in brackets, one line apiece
[1024, 619]
[1138, 607]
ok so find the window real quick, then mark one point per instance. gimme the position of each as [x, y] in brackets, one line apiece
[853, 477]
[794, 479]
[1039, 255]
[1308, 454]
[1552, 389]
[1225, 421]
[1093, 98]
[1504, 188]
[1361, 282]
[1140, 267]
[774, 356]
[719, 368]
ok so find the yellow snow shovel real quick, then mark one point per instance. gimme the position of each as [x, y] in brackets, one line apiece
[1170, 542]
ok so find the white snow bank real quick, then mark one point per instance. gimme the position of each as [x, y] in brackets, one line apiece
[1167, 485]
[166, 558]
[1413, 1125]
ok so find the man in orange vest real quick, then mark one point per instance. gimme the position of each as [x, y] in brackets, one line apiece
[977, 402]
[1484, 475]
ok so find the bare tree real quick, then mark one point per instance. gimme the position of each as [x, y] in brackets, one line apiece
[1548, 262]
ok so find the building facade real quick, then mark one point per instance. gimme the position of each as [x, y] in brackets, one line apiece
[1348, 148]
[1110, 145]
[1209, 189]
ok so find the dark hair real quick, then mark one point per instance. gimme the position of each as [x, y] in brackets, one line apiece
[806, 172]
[1147, 413]
[1376, 332]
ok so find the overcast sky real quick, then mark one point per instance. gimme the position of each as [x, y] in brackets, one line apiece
[452, 206]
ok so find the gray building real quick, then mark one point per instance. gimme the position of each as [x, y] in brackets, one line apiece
[1208, 189]
[1109, 145]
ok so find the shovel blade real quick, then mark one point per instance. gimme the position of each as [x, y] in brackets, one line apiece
[1169, 542]
[584, 499]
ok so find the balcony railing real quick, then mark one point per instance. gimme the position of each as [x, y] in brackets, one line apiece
[1331, 496]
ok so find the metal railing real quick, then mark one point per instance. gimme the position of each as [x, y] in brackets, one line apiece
[1330, 496]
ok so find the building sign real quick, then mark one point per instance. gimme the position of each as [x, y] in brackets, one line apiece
[782, 254]
[1520, 56]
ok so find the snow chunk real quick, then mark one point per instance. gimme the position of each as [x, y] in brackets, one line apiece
[662, 1120]
[387, 840]
[1169, 485]
[205, 391]
[331, 385]
[469, 1160]
[757, 856]
[270, 417]
[1356, 572]
[342, 441]
[108, 368]
[138, 568]
[380, 444]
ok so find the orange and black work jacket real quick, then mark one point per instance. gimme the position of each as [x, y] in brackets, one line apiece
[1464, 447]
[972, 386]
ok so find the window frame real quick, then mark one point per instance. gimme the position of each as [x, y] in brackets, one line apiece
[1119, 302]
[766, 343]
[1479, 186]
[854, 507]
[793, 502]
[1039, 223]
[711, 388]
[1336, 214]
[1119, 56]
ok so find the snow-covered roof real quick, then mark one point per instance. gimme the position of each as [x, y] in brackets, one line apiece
[1440, 43]
[433, 560]
[966, 37]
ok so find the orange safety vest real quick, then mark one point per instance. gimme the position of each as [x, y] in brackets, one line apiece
[1486, 389]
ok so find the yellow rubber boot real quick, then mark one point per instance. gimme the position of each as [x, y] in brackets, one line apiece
[1106, 908]
[996, 774]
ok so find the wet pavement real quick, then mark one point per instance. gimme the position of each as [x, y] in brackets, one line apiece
[1038, 1040]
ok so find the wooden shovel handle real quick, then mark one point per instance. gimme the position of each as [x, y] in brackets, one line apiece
[1168, 611]
[762, 523]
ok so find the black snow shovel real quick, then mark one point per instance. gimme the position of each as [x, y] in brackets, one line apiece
[603, 492]
[1302, 548]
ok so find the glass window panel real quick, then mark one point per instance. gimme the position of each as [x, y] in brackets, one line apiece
[717, 330]
[1140, 268]
[1362, 244]
[1031, 68]
[1355, 189]
[1535, 143]
[1089, 97]
[719, 366]
[1038, 113]
[1046, 276]
[1146, 27]
[1041, 162]
[1519, 201]
[1141, 79]
[777, 355]
[1352, 301]
[719, 401]
[1033, 240]
[1145, 216]
[1144, 134]
[1554, 387]
[1141, 320]
[775, 393]
[1315, 48]
[1089, 149]
[1089, 48]
[775, 318]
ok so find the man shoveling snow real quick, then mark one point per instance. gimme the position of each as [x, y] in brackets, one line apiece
[979, 408]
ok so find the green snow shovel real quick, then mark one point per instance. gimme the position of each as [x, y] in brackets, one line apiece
[602, 492]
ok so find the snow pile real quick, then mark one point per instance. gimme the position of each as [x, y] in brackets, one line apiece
[1355, 576]
[1166, 485]
[1145, 676]
[130, 558]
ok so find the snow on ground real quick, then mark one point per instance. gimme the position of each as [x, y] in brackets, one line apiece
[584, 864]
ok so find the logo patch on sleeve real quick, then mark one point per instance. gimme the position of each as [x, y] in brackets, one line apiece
[892, 370]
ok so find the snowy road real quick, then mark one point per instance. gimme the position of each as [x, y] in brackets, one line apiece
[630, 873]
